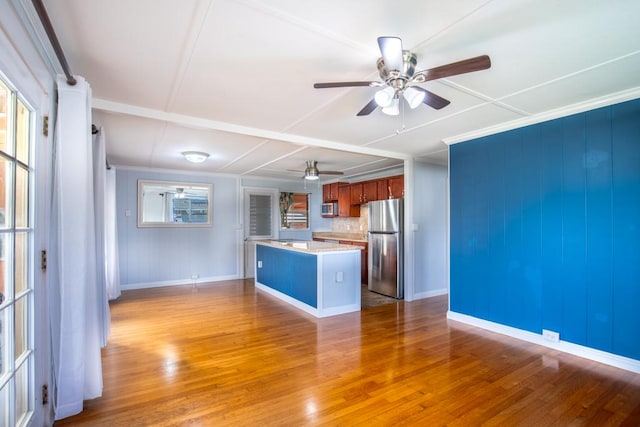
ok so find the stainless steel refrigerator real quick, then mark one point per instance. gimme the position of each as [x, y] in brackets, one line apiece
[386, 248]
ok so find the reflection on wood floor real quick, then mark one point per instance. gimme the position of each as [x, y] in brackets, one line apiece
[230, 355]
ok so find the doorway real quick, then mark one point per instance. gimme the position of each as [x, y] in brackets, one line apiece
[261, 222]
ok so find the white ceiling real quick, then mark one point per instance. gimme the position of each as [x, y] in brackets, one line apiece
[234, 78]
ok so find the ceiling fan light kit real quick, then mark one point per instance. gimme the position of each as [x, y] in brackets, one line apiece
[393, 109]
[384, 97]
[195, 156]
[396, 68]
[311, 173]
[413, 96]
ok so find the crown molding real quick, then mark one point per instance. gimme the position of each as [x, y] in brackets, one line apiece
[580, 107]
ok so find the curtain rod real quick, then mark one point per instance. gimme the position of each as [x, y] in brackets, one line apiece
[46, 23]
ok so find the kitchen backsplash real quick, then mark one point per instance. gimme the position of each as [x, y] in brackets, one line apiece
[351, 225]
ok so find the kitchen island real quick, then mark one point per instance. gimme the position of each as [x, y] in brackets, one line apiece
[320, 278]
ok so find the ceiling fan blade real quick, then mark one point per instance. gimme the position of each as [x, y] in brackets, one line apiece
[433, 100]
[342, 84]
[478, 63]
[368, 108]
[391, 50]
[330, 173]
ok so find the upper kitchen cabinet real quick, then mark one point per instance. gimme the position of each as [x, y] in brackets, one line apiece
[396, 184]
[364, 192]
[330, 192]
[345, 208]
[356, 193]
[370, 191]
[391, 188]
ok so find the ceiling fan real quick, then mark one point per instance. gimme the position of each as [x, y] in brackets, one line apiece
[312, 173]
[399, 78]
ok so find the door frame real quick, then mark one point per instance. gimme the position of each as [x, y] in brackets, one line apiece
[248, 242]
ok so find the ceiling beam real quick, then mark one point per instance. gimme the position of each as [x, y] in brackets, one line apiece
[198, 122]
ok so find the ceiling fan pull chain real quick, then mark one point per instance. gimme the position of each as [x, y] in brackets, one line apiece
[402, 119]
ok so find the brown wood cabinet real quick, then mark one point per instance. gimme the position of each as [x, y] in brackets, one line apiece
[351, 196]
[345, 208]
[383, 189]
[369, 191]
[356, 193]
[365, 192]
[330, 192]
[396, 186]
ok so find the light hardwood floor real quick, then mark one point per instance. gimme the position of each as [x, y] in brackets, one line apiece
[231, 355]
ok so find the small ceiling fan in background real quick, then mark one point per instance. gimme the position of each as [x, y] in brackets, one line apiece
[400, 80]
[312, 173]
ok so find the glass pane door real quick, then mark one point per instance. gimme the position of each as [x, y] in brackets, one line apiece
[17, 396]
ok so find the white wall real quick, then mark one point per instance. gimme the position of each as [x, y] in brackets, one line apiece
[153, 256]
[169, 256]
[430, 216]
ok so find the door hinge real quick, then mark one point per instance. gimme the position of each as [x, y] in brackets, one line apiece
[43, 260]
[45, 125]
[45, 394]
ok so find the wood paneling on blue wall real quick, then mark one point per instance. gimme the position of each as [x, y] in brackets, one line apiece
[545, 228]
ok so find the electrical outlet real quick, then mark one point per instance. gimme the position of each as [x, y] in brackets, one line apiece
[550, 335]
[259, 264]
[194, 277]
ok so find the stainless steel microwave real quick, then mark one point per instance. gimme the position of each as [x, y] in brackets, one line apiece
[330, 209]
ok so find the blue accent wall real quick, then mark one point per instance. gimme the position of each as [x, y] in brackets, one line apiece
[545, 228]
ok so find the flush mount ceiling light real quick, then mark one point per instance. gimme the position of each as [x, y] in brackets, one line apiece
[195, 156]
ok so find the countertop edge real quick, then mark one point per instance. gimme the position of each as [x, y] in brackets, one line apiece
[329, 248]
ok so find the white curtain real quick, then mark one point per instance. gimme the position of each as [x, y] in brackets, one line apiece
[100, 206]
[78, 300]
[111, 259]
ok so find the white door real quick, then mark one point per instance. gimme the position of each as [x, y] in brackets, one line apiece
[260, 222]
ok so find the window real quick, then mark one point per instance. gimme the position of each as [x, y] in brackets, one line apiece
[16, 279]
[260, 215]
[294, 211]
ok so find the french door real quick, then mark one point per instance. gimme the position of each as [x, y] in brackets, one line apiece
[17, 394]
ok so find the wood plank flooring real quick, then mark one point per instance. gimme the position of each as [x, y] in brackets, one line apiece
[231, 355]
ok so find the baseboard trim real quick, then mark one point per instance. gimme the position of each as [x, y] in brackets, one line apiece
[564, 346]
[180, 282]
[432, 293]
